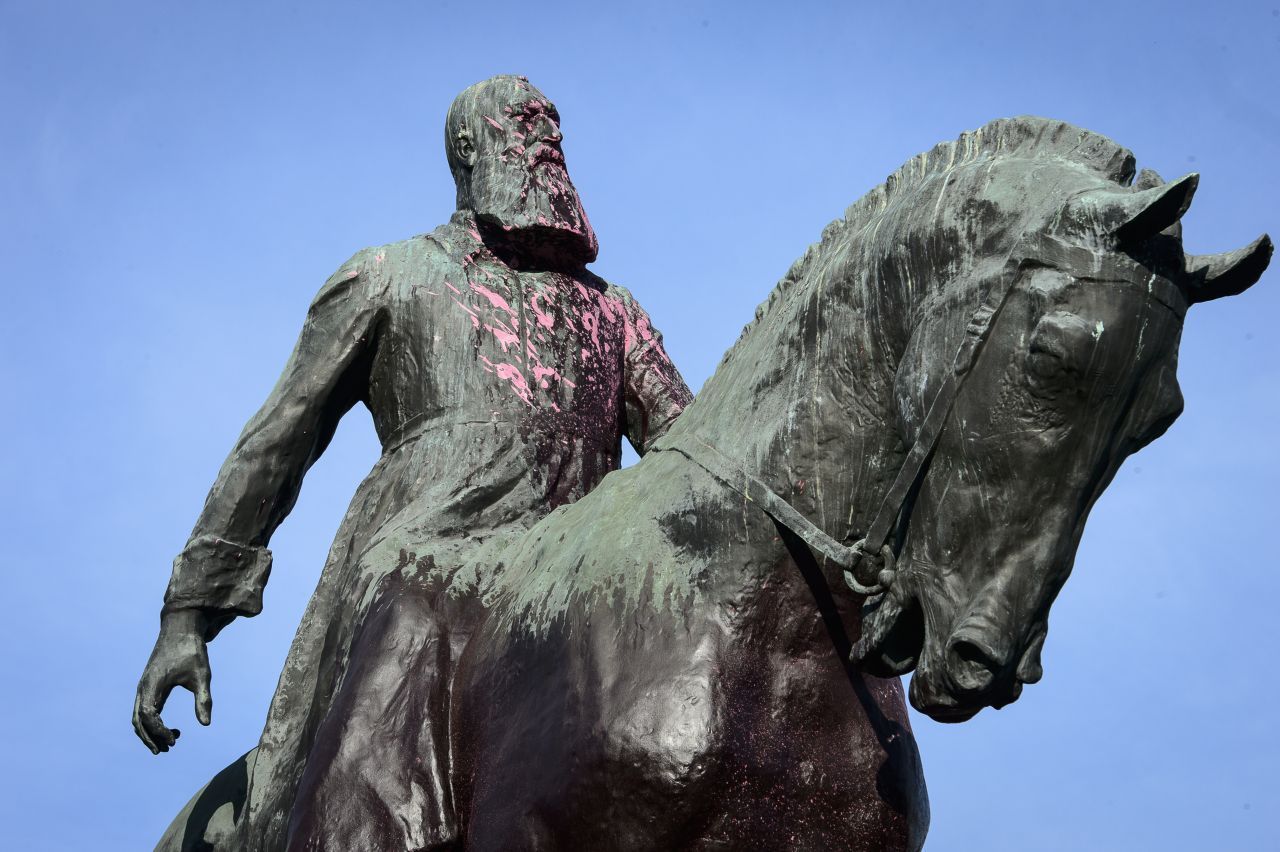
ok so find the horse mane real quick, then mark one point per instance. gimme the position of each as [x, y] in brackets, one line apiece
[1023, 136]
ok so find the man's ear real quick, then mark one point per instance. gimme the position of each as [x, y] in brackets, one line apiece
[464, 148]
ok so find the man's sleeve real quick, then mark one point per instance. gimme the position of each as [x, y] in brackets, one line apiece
[225, 564]
[655, 394]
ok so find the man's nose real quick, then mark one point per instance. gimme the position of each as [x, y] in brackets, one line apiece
[548, 131]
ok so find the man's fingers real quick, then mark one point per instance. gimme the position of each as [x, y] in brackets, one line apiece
[161, 737]
[153, 732]
[139, 728]
[204, 700]
[197, 680]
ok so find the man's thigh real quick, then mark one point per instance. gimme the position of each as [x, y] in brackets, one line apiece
[377, 774]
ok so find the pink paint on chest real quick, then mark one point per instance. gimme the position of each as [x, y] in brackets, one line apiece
[505, 337]
[542, 374]
[512, 375]
[544, 317]
[475, 320]
[494, 299]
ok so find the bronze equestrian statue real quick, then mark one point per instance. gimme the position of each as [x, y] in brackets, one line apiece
[889, 472]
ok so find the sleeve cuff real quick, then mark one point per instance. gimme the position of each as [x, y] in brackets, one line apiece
[214, 574]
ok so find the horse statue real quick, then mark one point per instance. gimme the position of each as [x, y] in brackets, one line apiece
[889, 472]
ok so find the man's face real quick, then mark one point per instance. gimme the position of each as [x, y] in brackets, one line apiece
[520, 188]
[532, 131]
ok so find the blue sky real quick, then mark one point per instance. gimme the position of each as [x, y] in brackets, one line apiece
[179, 179]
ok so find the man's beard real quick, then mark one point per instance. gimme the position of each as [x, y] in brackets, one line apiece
[529, 213]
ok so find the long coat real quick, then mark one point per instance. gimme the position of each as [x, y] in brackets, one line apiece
[496, 395]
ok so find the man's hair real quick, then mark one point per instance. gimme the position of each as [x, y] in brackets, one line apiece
[467, 112]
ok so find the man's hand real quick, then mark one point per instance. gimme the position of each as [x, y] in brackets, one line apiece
[179, 658]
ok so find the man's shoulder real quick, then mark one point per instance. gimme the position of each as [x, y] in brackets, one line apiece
[606, 288]
[617, 292]
[435, 243]
[374, 267]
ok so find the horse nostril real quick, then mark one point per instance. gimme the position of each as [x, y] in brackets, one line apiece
[972, 668]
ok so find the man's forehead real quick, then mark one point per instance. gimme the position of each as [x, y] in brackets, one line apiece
[528, 100]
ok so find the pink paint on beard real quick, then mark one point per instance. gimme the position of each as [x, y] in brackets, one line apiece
[510, 197]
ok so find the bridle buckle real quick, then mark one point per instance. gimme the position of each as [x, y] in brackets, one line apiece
[884, 563]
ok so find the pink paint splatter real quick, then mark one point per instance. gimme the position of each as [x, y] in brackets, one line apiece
[475, 320]
[512, 375]
[644, 330]
[545, 318]
[637, 331]
[591, 323]
[542, 374]
[494, 299]
[610, 309]
[504, 336]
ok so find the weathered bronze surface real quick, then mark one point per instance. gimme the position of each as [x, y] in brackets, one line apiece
[889, 472]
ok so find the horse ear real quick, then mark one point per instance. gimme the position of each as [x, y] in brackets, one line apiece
[1150, 179]
[1212, 276]
[1133, 216]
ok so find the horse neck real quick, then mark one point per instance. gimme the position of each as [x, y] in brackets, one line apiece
[804, 400]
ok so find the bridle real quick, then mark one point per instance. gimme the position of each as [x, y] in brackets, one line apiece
[873, 552]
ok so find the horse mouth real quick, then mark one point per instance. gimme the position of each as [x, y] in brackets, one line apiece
[949, 715]
[893, 635]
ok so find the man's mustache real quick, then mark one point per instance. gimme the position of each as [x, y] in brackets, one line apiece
[544, 154]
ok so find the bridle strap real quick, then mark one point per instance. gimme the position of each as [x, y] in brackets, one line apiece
[732, 474]
[875, 544]
[918, 457]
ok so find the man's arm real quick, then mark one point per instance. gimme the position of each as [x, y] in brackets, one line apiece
[222, 571]
[655, 394]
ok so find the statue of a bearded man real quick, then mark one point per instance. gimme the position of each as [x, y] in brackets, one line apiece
[501, 376]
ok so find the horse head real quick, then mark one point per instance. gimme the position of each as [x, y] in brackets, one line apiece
[1076, 371]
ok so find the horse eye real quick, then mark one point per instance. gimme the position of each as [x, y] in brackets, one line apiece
[1049, 373]
[1044, 364]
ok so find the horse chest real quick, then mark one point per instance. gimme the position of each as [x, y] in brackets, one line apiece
[704, 743]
